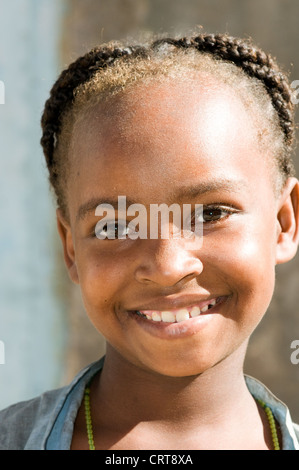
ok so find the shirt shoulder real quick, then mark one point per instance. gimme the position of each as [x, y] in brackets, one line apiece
[18, 421]
[289, 429]
[296, 429]
[46, 420]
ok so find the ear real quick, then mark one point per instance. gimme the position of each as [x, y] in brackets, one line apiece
[65, 233]
[288, 222]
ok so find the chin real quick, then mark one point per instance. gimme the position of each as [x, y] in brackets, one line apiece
[179, 368]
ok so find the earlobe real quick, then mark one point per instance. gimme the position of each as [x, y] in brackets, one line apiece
[65, 234]
[288, 222]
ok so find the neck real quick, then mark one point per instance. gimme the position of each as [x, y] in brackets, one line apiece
[131, 394]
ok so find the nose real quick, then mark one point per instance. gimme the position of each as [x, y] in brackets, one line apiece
[167, 263]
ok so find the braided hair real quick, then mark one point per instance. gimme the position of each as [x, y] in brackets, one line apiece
[241, 54]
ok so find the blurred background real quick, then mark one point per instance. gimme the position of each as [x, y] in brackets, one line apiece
[43, 326]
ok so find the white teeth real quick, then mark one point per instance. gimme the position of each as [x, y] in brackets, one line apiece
[168, 317]
[156, 316]
[182, 315]
[195, 312]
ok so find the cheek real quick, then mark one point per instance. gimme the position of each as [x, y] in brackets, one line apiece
[247, 266]
[256, 273]
[102, 278]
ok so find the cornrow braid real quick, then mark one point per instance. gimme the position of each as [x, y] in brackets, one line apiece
[242, 53]
[255, 62]
[62, 93]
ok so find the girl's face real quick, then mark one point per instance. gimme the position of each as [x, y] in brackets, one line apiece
[171, 143]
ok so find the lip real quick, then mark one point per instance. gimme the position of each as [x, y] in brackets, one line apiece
[183, 329]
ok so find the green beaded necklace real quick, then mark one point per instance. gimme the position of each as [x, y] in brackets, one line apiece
[88, 419]
[90, 437]
[272, 424]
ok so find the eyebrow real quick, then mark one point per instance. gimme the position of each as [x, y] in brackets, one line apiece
[223, 184]
[191, 192]
[91, 205]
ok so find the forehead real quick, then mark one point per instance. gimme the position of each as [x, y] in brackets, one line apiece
[160, 132]
[153, 113]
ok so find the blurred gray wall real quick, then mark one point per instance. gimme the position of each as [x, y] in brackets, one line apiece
[32, 317]
[274, 25]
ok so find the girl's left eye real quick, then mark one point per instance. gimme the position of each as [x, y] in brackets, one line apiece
[212, 214]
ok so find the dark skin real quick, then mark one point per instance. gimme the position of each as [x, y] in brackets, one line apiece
[180, 386]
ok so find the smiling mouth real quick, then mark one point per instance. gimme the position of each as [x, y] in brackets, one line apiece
[179, 315]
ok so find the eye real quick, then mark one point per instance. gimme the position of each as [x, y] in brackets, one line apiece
[112, 230]
[213, 214]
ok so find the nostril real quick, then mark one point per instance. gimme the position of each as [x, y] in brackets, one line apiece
[167, 276]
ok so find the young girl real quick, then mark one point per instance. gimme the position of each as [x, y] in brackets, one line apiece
[204, 121]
